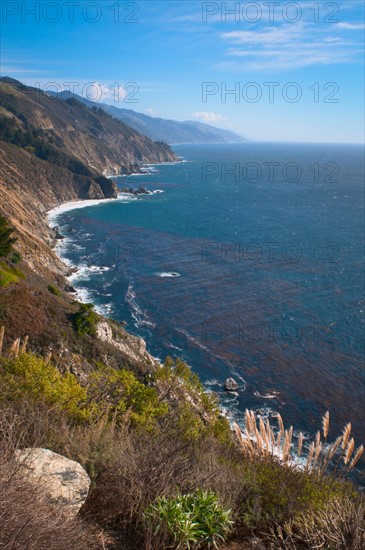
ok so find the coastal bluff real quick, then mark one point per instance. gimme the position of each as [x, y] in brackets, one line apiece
[51, 152]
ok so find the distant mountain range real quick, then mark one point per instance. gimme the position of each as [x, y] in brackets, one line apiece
[172, 132]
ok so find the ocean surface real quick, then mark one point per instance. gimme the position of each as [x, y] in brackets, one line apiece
[246, 261]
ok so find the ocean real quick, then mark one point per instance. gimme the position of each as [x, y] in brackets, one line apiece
[247, 260]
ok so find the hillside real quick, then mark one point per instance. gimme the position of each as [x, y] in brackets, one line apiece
[97, 140]
[160, 129]
[52, 151]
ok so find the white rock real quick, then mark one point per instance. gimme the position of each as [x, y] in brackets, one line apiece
[62, 481]
[133, 346]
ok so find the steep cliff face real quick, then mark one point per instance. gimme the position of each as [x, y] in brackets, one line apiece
[28, 188]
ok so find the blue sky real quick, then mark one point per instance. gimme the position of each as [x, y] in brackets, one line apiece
[295, 69]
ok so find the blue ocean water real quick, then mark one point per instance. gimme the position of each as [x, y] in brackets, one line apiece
[249, 263]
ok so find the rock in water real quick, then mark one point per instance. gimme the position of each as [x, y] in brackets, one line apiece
[63, 482]
[230, 384]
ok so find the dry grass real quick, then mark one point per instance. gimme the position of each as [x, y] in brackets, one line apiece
[264, 441]
[340, 526]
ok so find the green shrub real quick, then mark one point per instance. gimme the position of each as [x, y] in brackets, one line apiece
[54, 290]
[197, 411]
[6, 239]
[9, 275]
[30, 377]
[85, 320]
[119, 392]
[194, 520]
[15, 257]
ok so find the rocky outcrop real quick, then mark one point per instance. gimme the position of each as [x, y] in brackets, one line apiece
[132, 346]
[230, 385]
[139, 191]
[62, 481]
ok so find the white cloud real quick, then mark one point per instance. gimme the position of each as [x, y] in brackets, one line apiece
[350, 26]
[150, 112]
[99, 92]
[205, 116]
[269, 35]
[287, 47]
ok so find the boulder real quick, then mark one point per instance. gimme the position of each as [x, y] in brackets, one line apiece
[69, 288]
[230, 384]
[63, 482]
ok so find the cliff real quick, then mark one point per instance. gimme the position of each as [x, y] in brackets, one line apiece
[52, 151]
[90, 135]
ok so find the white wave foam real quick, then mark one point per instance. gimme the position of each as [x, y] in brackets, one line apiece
[166, 274]
[98, 268]
[53, 214]
[272, 395]
[213, 382]
[194, 340]
[170, 345]
[104, 309]
[84, 295]
[82, 273]
[140, 316]
[126, 197]
[73, 205]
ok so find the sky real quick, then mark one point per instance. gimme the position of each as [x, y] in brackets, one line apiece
[270, 70]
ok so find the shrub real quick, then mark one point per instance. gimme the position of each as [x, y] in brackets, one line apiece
[339, 526]
[6, 239]
[196, 411]
[30, 377]
[194, 520]
[85, 320]
[15, 257]
[54, 290]
[119, 391]
[9, 275]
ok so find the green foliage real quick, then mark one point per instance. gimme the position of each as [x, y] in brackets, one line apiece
[30, 377]
[85, 320]
[275, 492]
[149, 457]
[116, 394]
[9, 275]
[6, 238]
[54, 290]
[196, 410]
[15, 257]
[119, 392]
[178, 369]
[194, 520]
